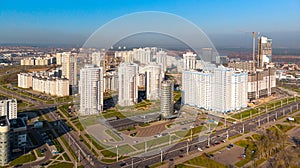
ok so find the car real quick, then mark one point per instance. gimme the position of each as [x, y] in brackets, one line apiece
[123, 164]
[223, 141]
[171, 159]
[181, 150]
[231, 145]
[211, 155]
[180, 156]
[199, 149]
[243, 155]
[207, 146]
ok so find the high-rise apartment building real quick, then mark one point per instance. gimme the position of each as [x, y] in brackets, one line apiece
[161, 58]
[153, 81]
[167, 100]
[69, 67]
[91, 90]
[189, 61]
[264, 54]
[8, 108]
[128, 84]
[4, 141]
[219, 89]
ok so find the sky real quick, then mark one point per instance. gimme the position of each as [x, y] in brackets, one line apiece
[228, 23]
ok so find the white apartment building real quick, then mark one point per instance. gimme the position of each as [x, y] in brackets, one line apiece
[91, 90]
[8, 108]
[220, 89]
[25, 80]
[189, 61]
[153, 81]
[128, 84]
[52, 86]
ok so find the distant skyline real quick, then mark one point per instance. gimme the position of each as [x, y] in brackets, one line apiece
[225, 22]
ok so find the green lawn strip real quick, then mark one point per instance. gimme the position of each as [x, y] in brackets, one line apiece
[235, 136]
[65, 155]
[65, 110]
[122, 150]
[152, 143]
[183, 166]
[113, 135]
[62, 165]
[96, 143]
[204, 161]
[88, 145]
[112, 113]
[284, 127]
[23, 159]
[157, 164]
[69, 148]
[38, 152]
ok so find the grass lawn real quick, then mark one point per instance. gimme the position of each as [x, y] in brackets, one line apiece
[60, 165]
[283, 127]
[96, 143]
[235, 136]
[113, 135]
[183, 166]
[23, 159]
[152, 143]
[205, 162]
[249, 146]
[66, 157]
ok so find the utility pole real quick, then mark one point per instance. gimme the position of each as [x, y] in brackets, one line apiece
[187, 146]
[243, 128]
[117, 153]
[131, 162]
[225, 120]
[161, 156]
[227, 135]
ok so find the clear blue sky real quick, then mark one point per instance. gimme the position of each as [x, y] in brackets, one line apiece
[71, 22]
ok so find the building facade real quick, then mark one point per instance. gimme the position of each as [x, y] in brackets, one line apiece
[91, 90]
[128, 84]
[153, 81]
[167, 100]
[4, 141]
[220, 89]
[8, 108]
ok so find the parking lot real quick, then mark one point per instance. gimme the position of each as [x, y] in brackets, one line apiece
[229, 156]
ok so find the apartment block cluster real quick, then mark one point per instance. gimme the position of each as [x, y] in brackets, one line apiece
[48, 60]
[55, 82]
[13, 130]
[218, 89]
[224, 89]
[141, 68]
[44, 83]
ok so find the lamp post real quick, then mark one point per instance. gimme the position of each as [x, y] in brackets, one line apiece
[187, 146]
[117, 153]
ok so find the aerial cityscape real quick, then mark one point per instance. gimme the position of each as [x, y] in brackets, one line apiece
[146, 84]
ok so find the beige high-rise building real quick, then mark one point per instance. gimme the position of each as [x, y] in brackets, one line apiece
[69, 67]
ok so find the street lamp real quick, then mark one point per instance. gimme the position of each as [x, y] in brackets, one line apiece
[187, 146]
[161, 156]
[117, 153]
